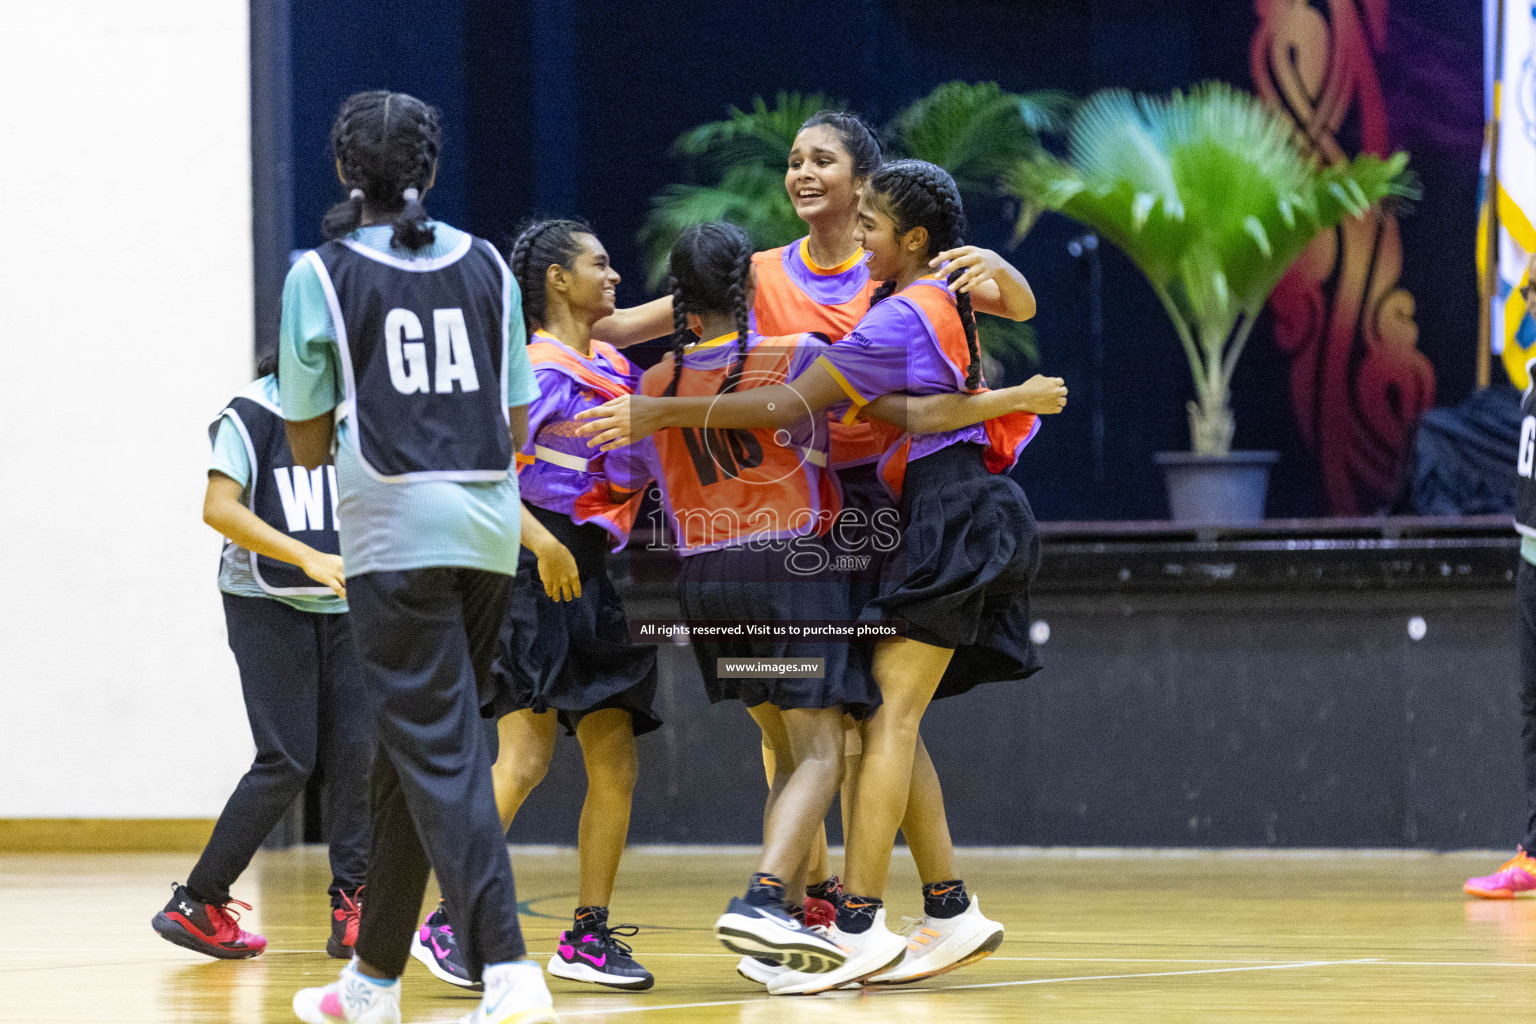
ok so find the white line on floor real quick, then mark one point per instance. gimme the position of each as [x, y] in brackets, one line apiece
[571, 1014]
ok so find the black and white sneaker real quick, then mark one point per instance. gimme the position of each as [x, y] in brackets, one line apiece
[437, 949]
[768, 933]
[594, 954]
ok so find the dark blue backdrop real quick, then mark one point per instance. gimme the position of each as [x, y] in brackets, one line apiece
[571, 108]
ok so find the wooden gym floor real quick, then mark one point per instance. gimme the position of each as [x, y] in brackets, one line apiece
[1118, 937]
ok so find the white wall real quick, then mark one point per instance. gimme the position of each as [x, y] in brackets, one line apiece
[125, 323]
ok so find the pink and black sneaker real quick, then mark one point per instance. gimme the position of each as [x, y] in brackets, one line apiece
[1517, 877]
[208, 928]
[437, 949]
[593, 953]
[344, 921]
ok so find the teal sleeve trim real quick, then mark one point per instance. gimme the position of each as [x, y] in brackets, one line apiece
[309, 374]
[522, 387]
[229, 454]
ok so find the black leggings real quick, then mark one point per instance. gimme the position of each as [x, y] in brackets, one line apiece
[307, 705]
[426, 638]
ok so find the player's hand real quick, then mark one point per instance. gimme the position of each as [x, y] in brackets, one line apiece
[1041, 395]
[557, 571]
[977, 266]
[618, 422]
[327, 569]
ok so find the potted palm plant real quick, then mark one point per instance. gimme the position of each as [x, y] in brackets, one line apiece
[974, 131]
[1208, 195]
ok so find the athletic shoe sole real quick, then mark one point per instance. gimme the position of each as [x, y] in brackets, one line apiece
[1499, 894]
[758, 972]
[758, 937]
[423, 954]
[849, 983]
[591, 975]
[175, 932]
[987, 947]
[543, 1015]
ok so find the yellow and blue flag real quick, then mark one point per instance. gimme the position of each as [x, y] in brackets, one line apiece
[1510, 98]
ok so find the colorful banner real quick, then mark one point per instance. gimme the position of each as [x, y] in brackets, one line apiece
[1358, 380]
[1510, 79]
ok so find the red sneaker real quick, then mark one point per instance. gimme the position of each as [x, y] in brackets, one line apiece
[1517, 877]
[208, 928]
[344, 921]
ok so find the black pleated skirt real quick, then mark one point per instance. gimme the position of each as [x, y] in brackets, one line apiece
[574, 657]
[961, 580]
[757, 583]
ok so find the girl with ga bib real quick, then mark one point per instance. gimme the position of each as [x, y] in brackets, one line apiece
[564, 659]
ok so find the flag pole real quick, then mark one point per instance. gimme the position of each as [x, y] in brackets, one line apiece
[1489, 284]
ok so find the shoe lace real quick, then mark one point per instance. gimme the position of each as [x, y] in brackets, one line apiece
[351, 903]
[607, 935]
[223, 916]
[909, 925]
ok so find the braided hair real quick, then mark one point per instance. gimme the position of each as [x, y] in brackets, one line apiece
[710, 269]
[540, 245]
[917, 194]
[857, 138]
[386, 144]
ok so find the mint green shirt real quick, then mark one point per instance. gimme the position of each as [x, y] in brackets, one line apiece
[231, 458]
[388, 527]
[1528, 548]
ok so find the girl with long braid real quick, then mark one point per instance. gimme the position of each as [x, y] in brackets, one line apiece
[564, 658]
[962, 592]
[821, 283]
[413, 330]
[749, 511]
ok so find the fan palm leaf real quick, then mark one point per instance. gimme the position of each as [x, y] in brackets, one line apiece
[763, 135]
[750, 196]
[976, 131]
[1209, 196]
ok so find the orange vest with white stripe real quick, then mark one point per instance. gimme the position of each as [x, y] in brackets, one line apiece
[782, 307]
[596, 504]
[729, 487]
[1006, 435]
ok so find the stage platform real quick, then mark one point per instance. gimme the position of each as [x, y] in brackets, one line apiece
[1294, 683]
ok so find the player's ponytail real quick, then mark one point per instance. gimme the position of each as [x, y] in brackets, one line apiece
[917, 194]
[540, 245]
[386, 146]
[857, 138]
[711, 271]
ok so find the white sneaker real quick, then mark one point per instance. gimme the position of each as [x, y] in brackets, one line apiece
[868, 953]
[942, 944]
[770, 933]
[760, 971]
[352, 999]
[515, 993]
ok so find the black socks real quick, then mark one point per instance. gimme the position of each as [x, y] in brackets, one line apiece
[855, 914]
[765, 891]
[591, 917]
[827, 890]
[946, 899]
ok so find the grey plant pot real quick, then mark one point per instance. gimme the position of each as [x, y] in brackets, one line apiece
[1217, 488]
